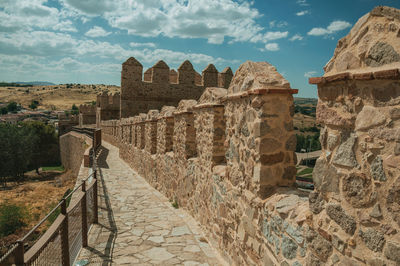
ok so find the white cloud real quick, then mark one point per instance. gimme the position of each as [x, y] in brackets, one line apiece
[142, 44]
[65, 26]
[310, 74]
[270, 36]
[280, 24]
[272, 47]
[302, 13]
[335, 26]
[214, 20]
[97, 31]
[23, 14]
[296, 37]
[302, 2]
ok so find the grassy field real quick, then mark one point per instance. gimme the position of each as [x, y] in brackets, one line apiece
[55, 97]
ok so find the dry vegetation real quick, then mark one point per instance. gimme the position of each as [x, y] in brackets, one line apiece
[37, 195]
[55, 97]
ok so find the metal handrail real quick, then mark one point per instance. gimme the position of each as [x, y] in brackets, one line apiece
[17, 249]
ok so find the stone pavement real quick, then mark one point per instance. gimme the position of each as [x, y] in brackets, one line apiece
[138, 225]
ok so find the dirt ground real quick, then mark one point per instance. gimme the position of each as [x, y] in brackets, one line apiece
[37, 194]
[55, 97]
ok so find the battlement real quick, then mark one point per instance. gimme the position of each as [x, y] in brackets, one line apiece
[160, 85]
[87, 109]
[161, 73]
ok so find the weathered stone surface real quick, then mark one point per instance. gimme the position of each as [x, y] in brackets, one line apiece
[320, 247]
[357, 189]
[289, 248]
[377, 171]
[395, 113]
[272, 158]
[381, 54]
[269, 145]
[287, 204]
[291, 143]
[316, 202]
[345, 155]
[311, 260]
[376, 211]
[369, 117]
[338, 243]
[392, 251]
[254, 75]
[347, 61]
[289, 172]
[346, 222]
[325, 176]
[393, 200]
[373, 239]
[329, 116]
[397, 149]
[332, 141]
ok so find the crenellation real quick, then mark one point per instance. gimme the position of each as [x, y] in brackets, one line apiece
[225, 78]
[186, 73]
[210, 76]
[160, 73]
[87, 114]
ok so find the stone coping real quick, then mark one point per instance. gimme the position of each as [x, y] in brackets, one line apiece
[269, 90]
[207, 105]
[393, 74]
[183, 113]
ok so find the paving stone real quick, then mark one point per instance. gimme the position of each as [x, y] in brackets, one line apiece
[138, 225]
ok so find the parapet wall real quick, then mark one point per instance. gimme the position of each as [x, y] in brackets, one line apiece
[72, 149]
[212, 158]
[246, 199]
[356, 202]
[161, 86]
[107, 107]
[87, 114]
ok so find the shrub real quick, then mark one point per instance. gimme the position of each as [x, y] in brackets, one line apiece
[11, 218]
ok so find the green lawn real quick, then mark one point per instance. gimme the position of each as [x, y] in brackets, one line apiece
[53, 168]
[305, 171]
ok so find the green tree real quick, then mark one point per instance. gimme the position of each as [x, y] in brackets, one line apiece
[16, 150]
[4, 110]
[34, 104]
[12, 107]
[45, 145]
[25, 147]
[74, 110]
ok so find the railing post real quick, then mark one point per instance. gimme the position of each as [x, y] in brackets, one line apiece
[19, 253]
[64, 235]
[84, 217]
[95, 199]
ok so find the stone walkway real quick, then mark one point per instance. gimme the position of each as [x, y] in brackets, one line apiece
[138, 225]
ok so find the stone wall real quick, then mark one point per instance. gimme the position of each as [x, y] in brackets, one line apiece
[161, 86]
[212, 159]
[228, 158]
[356, 201]
[72, 148]
[65, 124]
[107, 107]
[87, 114]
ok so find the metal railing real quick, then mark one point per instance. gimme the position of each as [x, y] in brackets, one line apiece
[62, 241]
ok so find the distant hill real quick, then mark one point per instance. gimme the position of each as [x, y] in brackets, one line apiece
[35, 83]
[305, 101]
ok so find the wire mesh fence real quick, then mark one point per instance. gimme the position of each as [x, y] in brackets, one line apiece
[62, 241]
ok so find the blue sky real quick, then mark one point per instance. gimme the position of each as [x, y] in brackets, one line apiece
[85, 41]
